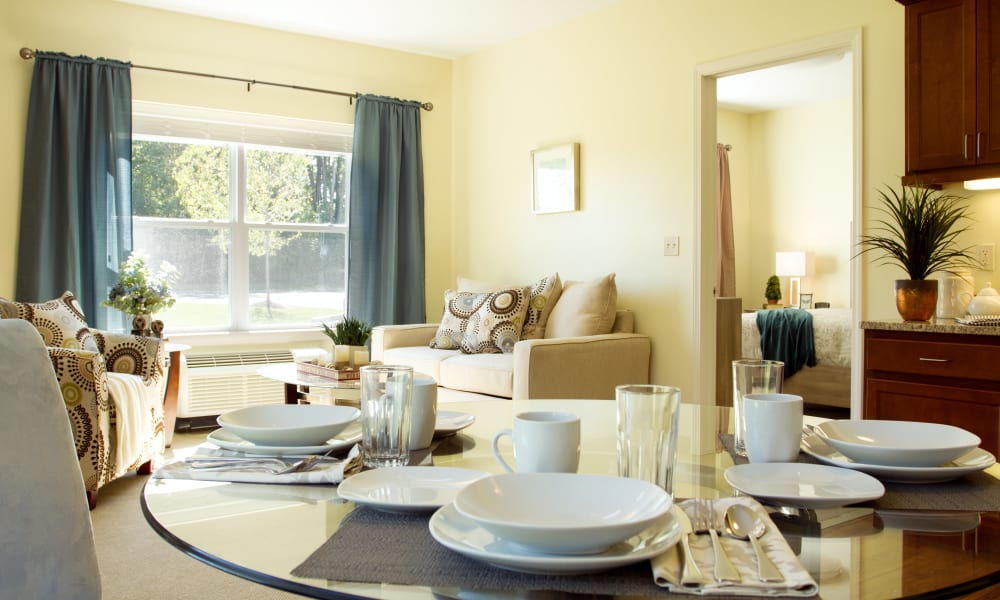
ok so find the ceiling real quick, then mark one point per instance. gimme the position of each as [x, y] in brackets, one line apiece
[455, 28]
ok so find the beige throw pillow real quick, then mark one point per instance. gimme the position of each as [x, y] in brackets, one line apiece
[544, 294]
[584, 308]
[482, 323]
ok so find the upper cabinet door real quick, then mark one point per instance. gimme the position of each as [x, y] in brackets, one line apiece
[941, 84]
[988, 81]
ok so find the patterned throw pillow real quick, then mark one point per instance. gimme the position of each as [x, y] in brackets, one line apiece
[544, 294]
[482, 323]
[60, 322]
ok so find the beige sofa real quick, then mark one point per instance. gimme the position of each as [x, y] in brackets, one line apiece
[605, 351]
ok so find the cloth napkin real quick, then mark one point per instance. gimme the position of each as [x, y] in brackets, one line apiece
[324, 471]
[798, 583]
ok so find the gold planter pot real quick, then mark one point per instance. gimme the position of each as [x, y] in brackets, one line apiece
[916, 299]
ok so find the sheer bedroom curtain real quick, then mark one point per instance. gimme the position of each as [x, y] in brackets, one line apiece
[76, 203]
[726, 285]
[386, 260]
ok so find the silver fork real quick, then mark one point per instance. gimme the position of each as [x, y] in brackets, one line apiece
[706, 520]
[273, 466]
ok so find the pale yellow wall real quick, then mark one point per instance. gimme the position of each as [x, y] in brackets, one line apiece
[802, 198]
[164, 39]
[620, 82]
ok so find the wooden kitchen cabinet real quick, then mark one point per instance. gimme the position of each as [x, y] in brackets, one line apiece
[952, 90]
[935, 377]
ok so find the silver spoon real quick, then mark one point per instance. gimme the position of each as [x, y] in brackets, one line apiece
[743, 523]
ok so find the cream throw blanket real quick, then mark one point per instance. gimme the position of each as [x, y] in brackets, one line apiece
[129, 396]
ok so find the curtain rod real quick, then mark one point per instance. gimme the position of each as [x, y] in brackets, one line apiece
[28, 54]
[727, 146]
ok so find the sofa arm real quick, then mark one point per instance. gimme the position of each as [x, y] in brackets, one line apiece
[579, 367]
[84, 387]
[133, 354]
[385, 337]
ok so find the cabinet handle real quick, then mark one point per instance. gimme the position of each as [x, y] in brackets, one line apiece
[933, 360]
[979, 136]
[965, 146]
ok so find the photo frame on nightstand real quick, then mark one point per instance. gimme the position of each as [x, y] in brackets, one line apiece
[805, 301]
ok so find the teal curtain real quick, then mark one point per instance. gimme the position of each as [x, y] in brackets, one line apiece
[76, 205]
[386, 261]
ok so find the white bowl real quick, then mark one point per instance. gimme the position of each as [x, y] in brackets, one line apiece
[288, 424]
[898, 443]
[562, 513]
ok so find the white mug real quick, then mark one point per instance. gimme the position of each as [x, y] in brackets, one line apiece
[544, 442]
[773, 427]
[423, 411]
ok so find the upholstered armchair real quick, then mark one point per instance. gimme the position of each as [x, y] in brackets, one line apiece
[112, 385]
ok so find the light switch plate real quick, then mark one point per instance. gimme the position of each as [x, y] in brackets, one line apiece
[671, 245]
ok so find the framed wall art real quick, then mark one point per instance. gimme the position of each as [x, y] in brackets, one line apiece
[555, 179]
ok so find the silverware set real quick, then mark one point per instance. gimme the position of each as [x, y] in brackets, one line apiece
[740, 522]
[274, 466]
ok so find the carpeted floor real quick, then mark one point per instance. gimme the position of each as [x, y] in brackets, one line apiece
[137, 564]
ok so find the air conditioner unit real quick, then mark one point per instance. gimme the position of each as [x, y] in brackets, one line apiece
[213, 384]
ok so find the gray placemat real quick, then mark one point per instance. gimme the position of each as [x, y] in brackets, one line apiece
[978, 491]
[379, 547]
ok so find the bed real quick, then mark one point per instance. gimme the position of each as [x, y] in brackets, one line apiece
[829, 382]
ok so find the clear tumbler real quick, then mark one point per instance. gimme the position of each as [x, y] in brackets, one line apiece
[752, 376]
[385, 415]
[647, 432]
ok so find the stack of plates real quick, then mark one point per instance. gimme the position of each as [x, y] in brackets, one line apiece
[279, 429]
[898, 451]
[523, 522]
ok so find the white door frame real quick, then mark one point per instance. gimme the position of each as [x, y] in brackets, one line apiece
[706, 191]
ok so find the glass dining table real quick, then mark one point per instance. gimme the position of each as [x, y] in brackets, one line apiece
[261, 532]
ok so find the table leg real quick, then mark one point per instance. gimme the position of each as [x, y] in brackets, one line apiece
[292, 395]
[170, 397]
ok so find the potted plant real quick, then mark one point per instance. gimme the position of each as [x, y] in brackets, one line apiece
[349, 337]
[773, 290]
[141, 293]
[919, 234]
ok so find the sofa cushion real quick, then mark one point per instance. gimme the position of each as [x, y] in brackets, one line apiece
[544, 294]
[491, 374]
[584, 308]
[486, 322]
[423, 359]
[60, 322]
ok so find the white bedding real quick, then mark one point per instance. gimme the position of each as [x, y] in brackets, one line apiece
[832, 329]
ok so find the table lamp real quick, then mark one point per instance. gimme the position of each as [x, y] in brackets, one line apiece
[793, 266]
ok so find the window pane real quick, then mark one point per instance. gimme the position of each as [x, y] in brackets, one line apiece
[178, 180]
[202, 259]
[290, 187]
[296, 278]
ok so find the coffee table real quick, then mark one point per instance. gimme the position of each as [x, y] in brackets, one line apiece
[297, 385]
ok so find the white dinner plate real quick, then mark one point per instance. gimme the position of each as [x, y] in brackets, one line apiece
[897, 443]
[465, 536]
[450, 422]
[804, 485]
[974, 460]
[228, 440]
[408, 489]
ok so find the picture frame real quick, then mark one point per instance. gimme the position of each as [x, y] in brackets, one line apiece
[805, 301]
[555, 179]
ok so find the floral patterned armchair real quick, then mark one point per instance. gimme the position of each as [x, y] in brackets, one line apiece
[112, 385]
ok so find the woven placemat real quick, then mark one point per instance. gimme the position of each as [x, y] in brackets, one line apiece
[977, 491]
[379, 547]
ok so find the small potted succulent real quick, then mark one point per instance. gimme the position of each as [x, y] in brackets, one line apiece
[349, 337]
[773, 290]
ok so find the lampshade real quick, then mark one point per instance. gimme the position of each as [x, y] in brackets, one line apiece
[790, 264]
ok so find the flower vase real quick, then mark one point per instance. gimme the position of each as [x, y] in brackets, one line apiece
[142, 325]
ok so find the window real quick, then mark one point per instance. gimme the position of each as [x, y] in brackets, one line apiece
[258, 231]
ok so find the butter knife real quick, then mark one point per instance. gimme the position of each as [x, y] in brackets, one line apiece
[691, 575]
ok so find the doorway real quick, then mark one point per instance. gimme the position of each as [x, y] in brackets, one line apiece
[707, 107]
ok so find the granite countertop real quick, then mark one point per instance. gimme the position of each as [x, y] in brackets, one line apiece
[933, 326]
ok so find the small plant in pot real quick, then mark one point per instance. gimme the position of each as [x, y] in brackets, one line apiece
[773, 290]
[919, 233]
[349, 337]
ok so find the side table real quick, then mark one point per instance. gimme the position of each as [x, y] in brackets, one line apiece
[173, 389]
[297, 384]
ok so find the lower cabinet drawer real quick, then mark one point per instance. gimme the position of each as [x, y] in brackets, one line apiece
[937, 359]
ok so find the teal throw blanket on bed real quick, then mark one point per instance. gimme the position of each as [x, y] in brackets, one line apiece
[787, 335]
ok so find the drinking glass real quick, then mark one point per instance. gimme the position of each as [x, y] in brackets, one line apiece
[385, 415]
[648, 418]
[752, 376]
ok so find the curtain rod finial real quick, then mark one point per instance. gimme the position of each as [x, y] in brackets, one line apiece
[428, 106]
[27, 53]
